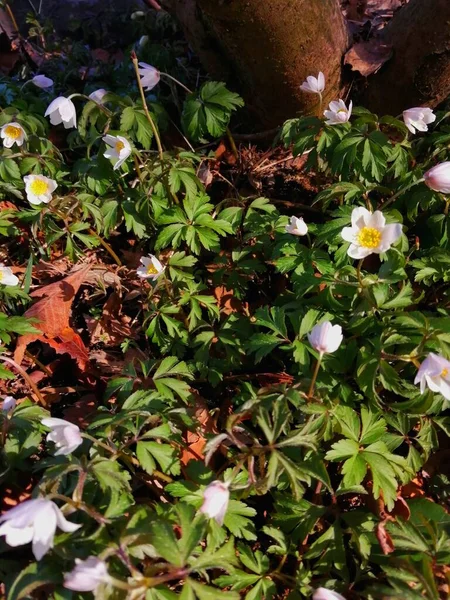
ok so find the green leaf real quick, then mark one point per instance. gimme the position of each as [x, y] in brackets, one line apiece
[150, 453]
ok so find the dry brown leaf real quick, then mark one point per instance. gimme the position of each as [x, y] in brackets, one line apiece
[53, 313]
[384, 539]
[112, 328]
[368, 57]
[195, 440]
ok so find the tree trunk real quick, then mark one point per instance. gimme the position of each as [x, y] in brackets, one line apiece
[419, 72]
[267, 48]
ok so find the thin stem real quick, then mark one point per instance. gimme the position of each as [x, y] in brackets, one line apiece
[314, 377]
[138, 168]
[358, 273]
[320, 105]
[80, 506]
[144, 104]
[103, 108]
[106, 246]
[232, 144]
[186, 89]
[26, 377]
[402, 191]
[12, 17]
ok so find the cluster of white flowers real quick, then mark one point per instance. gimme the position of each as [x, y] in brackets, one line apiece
[415, 119]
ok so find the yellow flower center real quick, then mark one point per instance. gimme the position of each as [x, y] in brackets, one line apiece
[444, 372]
[344, 110]
[151, 269]
[1, 275]
[38, 187]
[369, 237]
[119, 146]
[13, 132]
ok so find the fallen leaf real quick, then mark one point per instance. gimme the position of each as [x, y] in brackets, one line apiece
[384, 539]
[196, 440]
[112, 328]
[368, 57]
[53, 313]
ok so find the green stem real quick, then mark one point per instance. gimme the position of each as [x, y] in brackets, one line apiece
[144, 104]
[358, 273]
[107, 112]
[314, 377]
[186, 89]
[402, 191]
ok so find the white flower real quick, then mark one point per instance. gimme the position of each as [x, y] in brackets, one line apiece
[215, 501]
[98, 95]
[149, 76]
[369, 233]
[34, 520]
[324, 594]
[119, 150]
[12, 133]
[438, 178]
[325, 337]
[297, 226]
[66, 436]
[87, 575]
[418, 118]
[41, 81]
[9, 404]
[7, 277]
[434, 372]
[39, 188]
[314, 85]
[338, 112]
[151, 268]
[62, 110]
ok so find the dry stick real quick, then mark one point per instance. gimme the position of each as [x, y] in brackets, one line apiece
[144, 103]
[26, 377]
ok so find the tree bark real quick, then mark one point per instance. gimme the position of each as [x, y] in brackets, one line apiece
[267, 48]
[419, 72]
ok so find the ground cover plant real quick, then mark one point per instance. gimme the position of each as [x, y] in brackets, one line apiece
[211, 391]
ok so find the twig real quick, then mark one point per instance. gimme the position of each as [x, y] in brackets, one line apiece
[107, 247]
[27, 378]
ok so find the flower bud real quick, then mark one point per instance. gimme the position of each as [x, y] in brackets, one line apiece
[215, 501]
[325, 337]
[438, 178]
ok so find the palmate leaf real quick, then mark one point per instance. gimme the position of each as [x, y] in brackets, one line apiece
[208, 111]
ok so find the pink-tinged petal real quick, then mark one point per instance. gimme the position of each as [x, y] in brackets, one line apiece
[326, 594]
[321, 81]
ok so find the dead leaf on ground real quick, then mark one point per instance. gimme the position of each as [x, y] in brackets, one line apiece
[53, 312]
[195, 440]
[113, 327]
[368, 57]
[80, 411]
[226, 300]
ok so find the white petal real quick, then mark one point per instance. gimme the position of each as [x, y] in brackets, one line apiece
[358, 252]
[360, 215]
[391, 233]
[44, 532]
[349, 234]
